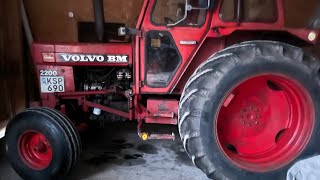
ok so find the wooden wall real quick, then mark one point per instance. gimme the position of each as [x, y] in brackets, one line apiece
[299, 12]
[4, 107]
[51, 21]
[12, 87]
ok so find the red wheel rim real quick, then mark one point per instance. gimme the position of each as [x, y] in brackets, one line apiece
[35, 150]
[265, 122]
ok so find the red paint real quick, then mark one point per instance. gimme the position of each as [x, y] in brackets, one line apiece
[49, 100]
[226, 28]
[162, 111]
[209, 47]
[266, 126]
[178, 33]
[88, 93]
[81, 48]
[33, 104]
[210, 38]
[35, 150]
[48, 57]
[107, 109]
[65, 71]
[39, 49]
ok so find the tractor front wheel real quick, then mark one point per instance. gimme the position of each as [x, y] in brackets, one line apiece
[251, 111]
[42, 143]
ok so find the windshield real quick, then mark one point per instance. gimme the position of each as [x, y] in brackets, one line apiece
[171, 11]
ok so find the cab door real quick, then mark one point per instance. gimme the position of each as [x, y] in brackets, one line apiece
[172, 31]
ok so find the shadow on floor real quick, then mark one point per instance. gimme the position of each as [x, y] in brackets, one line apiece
[116, 152]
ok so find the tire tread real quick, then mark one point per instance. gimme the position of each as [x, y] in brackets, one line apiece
[237, 54]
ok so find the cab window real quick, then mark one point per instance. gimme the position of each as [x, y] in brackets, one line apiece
[162, 59]
[249, 11]
[170, 11]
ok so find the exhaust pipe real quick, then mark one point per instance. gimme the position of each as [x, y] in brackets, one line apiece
[99, 18]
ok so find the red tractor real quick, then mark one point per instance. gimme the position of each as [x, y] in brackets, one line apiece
[232, 75]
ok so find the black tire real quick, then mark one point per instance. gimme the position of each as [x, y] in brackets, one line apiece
[60, 133]
[68, 127]
[210, 83]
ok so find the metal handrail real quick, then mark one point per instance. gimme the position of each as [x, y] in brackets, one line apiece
[187, 8]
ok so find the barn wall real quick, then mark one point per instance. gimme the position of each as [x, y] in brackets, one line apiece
[56, 21]
[299, 12]
[12, 89]
[49, 20]
[4, 108]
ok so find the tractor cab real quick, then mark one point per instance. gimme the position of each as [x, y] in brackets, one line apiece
[180, 13]
[164, 51]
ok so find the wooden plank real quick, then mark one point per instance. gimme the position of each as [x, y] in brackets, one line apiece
[120, 11]
[253, 11]
[13, 58]
[50, 21]
[299, 12]
[5, 105]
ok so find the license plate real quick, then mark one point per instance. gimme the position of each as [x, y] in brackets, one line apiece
[52, 84]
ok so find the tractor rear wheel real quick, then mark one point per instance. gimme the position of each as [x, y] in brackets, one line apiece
[251, 111]
[42, 144]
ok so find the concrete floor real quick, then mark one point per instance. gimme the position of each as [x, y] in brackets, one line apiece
[116, 153]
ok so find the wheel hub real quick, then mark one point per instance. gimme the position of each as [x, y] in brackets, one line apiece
[250, 116]
[41, 147]
[35, 150]
[265, 122]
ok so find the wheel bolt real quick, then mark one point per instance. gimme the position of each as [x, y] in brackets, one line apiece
[256, 122]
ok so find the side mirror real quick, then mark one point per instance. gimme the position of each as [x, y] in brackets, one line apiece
[188, 8]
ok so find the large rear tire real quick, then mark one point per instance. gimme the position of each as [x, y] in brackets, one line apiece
[42, 144]
[251, 111]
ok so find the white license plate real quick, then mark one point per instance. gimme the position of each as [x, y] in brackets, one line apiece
[50, 84]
